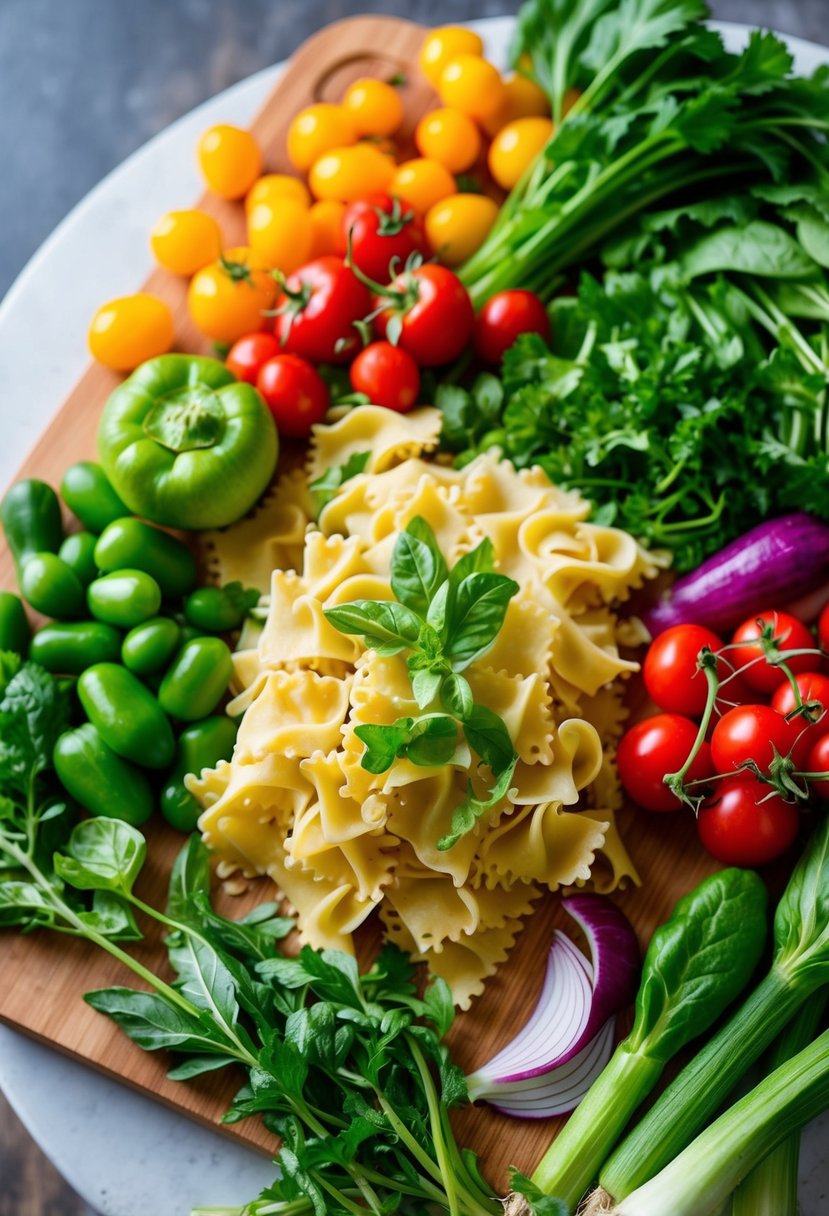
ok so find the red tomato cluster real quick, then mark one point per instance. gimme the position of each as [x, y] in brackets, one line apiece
[758, 750]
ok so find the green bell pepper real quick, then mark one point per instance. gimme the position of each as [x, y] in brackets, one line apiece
[186, 445]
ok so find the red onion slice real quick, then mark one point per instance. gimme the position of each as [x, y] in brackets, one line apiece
[568, 1036]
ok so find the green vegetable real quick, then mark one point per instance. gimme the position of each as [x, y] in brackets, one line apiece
[52, 587]
[99, 779]
[30, 515]
[185, 444]
[325, 487]
[702, 1177]
[800, 967]
[447, 619]
[771, 1188]
[149, 647]
[126, 715]
[129, 544]
[68, 649]
[219, 609]
[124, 598]
[78, 551]
[196, 680]
[14, 625]
[200, 746]
[695, 965]
[88, 493]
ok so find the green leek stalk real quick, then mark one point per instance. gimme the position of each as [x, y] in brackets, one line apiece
[771, 1188]
[695, 965]
[800, 967]
[697, 1182]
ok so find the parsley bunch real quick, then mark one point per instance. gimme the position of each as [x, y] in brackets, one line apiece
[445, 619]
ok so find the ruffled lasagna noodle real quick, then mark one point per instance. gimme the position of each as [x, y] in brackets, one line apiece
[295, 801]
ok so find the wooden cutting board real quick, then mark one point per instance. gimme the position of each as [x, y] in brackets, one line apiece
[43, 976]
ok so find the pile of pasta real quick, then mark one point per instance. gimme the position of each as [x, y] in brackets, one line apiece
[295, 803]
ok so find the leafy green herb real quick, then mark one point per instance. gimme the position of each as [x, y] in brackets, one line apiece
[325, 487]
[446, 619]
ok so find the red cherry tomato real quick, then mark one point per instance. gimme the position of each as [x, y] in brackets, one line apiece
[670, 670]
[814, 688]
[247, 355]
[504, 318]
[317, 310]
[823, 629]
[295, 393]
[654, 748]
[793, 635]
[435, 314]
[744, 823]
[383, 228]
[818, 762]
[387, 375]
[750, 732]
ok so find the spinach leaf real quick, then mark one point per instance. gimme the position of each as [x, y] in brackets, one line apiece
[103, 855]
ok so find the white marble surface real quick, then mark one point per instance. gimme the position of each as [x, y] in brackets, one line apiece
[126, 1155]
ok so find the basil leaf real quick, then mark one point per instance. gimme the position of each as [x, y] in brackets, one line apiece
[111, 917]
[437, 613]
[480, 560]
[456, 696]
[102, 855]
[433, 741]
[387, 627]
[325, 487]
[425, 685]
[382, 743]
[417, 566]
[487, 734]
[488, 395]
[478, 613]
[470, 810]
[438, 1005]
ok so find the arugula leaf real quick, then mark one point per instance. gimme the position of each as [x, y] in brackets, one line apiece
[154, 1022]
[190, 876]
[324, 488]
[387, 627]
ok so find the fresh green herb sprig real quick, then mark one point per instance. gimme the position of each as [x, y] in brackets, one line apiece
[445, 619]
[325, 487]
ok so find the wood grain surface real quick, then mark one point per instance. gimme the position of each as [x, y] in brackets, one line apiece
[44, 976]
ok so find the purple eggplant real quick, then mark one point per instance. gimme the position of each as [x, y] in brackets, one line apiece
[771, 565]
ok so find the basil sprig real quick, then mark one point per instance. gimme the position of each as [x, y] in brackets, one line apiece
[445, 619]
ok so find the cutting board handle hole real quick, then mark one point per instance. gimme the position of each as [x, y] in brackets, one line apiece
[338, 76]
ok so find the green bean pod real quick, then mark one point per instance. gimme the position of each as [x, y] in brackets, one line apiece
[197, 679]
[126, 715]
[150, 646]
[88, 493]
[130, 544]
[124, 598]
[52, 587]
[68, 649]
[100, 780]
[14, 626]
[30, 515]
[200, 746]
[78, 551]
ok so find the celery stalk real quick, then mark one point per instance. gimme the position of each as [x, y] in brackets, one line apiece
[771, 1188]
[697, 1182]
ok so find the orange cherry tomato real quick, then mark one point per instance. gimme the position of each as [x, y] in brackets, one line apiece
[229, 298]
[280, 233]
[230, 160]
[522, 99]
[422, 182]
[472, 85]
[275, 186]
[375, 107]
[327, 228]
[316, 130]
[443, 44]
[457, 226]
[126, 331]
[450, 137]
[347, 174]
[515, 147]
[184, 241]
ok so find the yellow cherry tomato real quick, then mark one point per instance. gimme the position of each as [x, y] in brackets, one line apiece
[228, 298]
[472, 85]
[347, 174]
[126, 331]
[422, 182]
[230, 160]
[444, 44]
[522, 99]
[375, 106]
[316, 130]
[184, 241]
[279, 233]
[327, 234]
[515, 147]
[450, 137]
[275, 186]
[458, 226]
